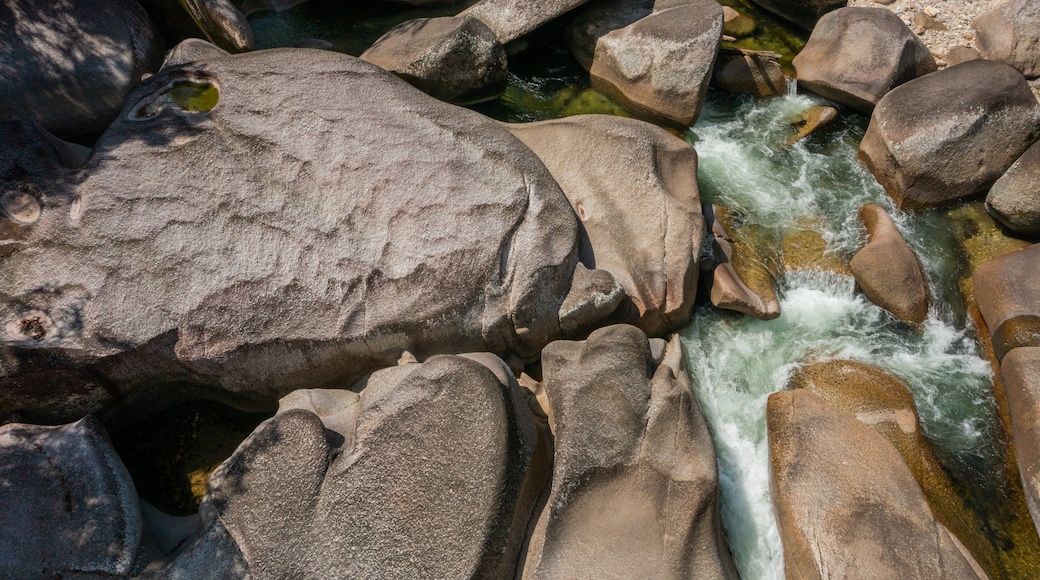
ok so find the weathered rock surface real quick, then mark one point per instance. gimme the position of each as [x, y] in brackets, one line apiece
[70, 65]
[418, 475]
[810, 121]
[656, 58]
[1014, 200]
[456, 59]
[887, 270]
[1010, 33]
[804, 13]
[511, 19]
[1007, 291]
[67, 505]
[634, 488]
[1020, 370]
[728, 288]
[884, 404]
[856, 55]
[633, 187]
[284, 256]
[950, 134]
[749, 72]
[846, 503]
[217, 21]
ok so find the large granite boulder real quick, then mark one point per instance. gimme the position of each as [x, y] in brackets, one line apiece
[804, 13]
[883, 403]
[634, 487]
[856, 55]
[69, 64]
[274, 219]
[633, 187]
[1007, 291]
[456, 59]
[218, 21]
[417, 474]
[1020, 371]
[67, 505]
[511, 19]
[846, 503]
[950, 134]
[654, 57]
[1014, 199]
[1010, 33]
[887, 270]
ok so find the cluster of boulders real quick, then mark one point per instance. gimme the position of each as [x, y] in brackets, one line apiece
[452, 314]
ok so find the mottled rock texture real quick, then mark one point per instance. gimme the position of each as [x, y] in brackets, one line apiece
[1010, 33]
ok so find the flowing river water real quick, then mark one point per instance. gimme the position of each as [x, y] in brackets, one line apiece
[775, 193]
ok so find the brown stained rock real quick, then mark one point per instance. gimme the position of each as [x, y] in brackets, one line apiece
[70, 64]
[1007, 291]
[856, 55]
[959, 54]
[456, 59]
[633, 187]
[950, 134]
[887, 270]
[286, 257]
[846, 503]
[884, 404]
[728, 288]
[656, 58]
[68, 507]
[1010, 33]
[1014, 200]
[635, 487]
[1020, 370]
[810, 121]
[419, 474]
[749, 72]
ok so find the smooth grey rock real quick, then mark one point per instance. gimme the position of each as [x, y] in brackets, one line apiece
[656, 58]
[418, 475]
[1010, 33]
[511, 19]
[856, 55]
[456, 59]
[217, 21]
[67, 504]
[1014, 199]
[950, 134]
[70, 64]
[635, 488]
[256, 248]
[729, 291]
[804, 13]
[846, 504]
[634, 189]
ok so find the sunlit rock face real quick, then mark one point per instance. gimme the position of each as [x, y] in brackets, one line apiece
[271, 220]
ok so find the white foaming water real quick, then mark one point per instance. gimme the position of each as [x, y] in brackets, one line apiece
[736, 362]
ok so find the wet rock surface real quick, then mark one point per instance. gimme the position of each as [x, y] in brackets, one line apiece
[887, 270]
[856, 55]
[634, 487]
[951, 134]
[296, 256]
[1020, 371]
[1007, 292]
[69, 65]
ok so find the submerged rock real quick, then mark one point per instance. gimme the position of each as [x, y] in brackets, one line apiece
[856, 55]
[217, 21]
[810, 121]
[67, 505]
[804, 13]
[1020, 370]
[1007, 291]
[887, 270]
[1010, 33]
[950, 134]
[633, 187]
[1014, 200]
[69, 64]
[736, 24]
[418, 475]
[634, 487]
[846, 503]
[282, 257]
[456, 59]
[729, 290]
[656, 58]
